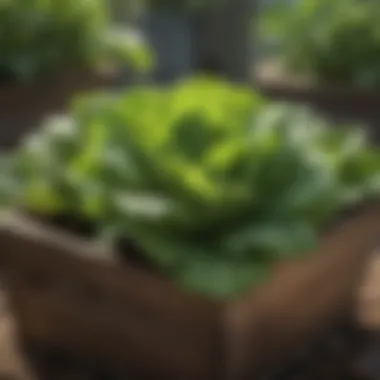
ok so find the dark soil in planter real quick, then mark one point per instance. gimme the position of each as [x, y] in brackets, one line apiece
[127, 250]
[338, 103]
[328, 359]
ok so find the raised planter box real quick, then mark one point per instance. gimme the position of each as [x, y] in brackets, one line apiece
[336, 102]
[22, 107]
[70, 295]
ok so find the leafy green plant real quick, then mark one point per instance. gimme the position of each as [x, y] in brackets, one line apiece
[38, 38]
[333, 41]
[214, 183]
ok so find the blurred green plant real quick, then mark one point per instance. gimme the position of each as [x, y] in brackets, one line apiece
[328, 40]
[214, 183]
[46, 37]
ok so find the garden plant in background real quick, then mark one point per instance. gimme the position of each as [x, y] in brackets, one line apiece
[42, 38]
[212, 182]
[328, 41]
[50, 51]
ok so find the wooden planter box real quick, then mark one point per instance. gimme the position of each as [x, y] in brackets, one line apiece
[23, 106]
[336, 102]
[71, 295]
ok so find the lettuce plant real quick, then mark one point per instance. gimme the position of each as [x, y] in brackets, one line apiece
[213, 182]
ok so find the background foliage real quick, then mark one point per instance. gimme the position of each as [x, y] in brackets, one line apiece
[42, 37]
[330, 40]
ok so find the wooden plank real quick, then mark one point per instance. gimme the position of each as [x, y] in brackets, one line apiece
[26, 229]
[279, 320]
[93, 308]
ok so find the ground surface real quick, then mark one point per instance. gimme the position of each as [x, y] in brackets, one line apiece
[13, 365]
[369, 297]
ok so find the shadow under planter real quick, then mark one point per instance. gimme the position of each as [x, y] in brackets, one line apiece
[338, 103]
[73, 296]
[23, 106]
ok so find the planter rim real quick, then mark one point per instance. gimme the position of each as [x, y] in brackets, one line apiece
[272, 76]
[27, 99]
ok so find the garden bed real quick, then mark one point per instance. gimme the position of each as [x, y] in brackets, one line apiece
[336, 102]
[23, 106]
[71, 296]
[247, 297]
